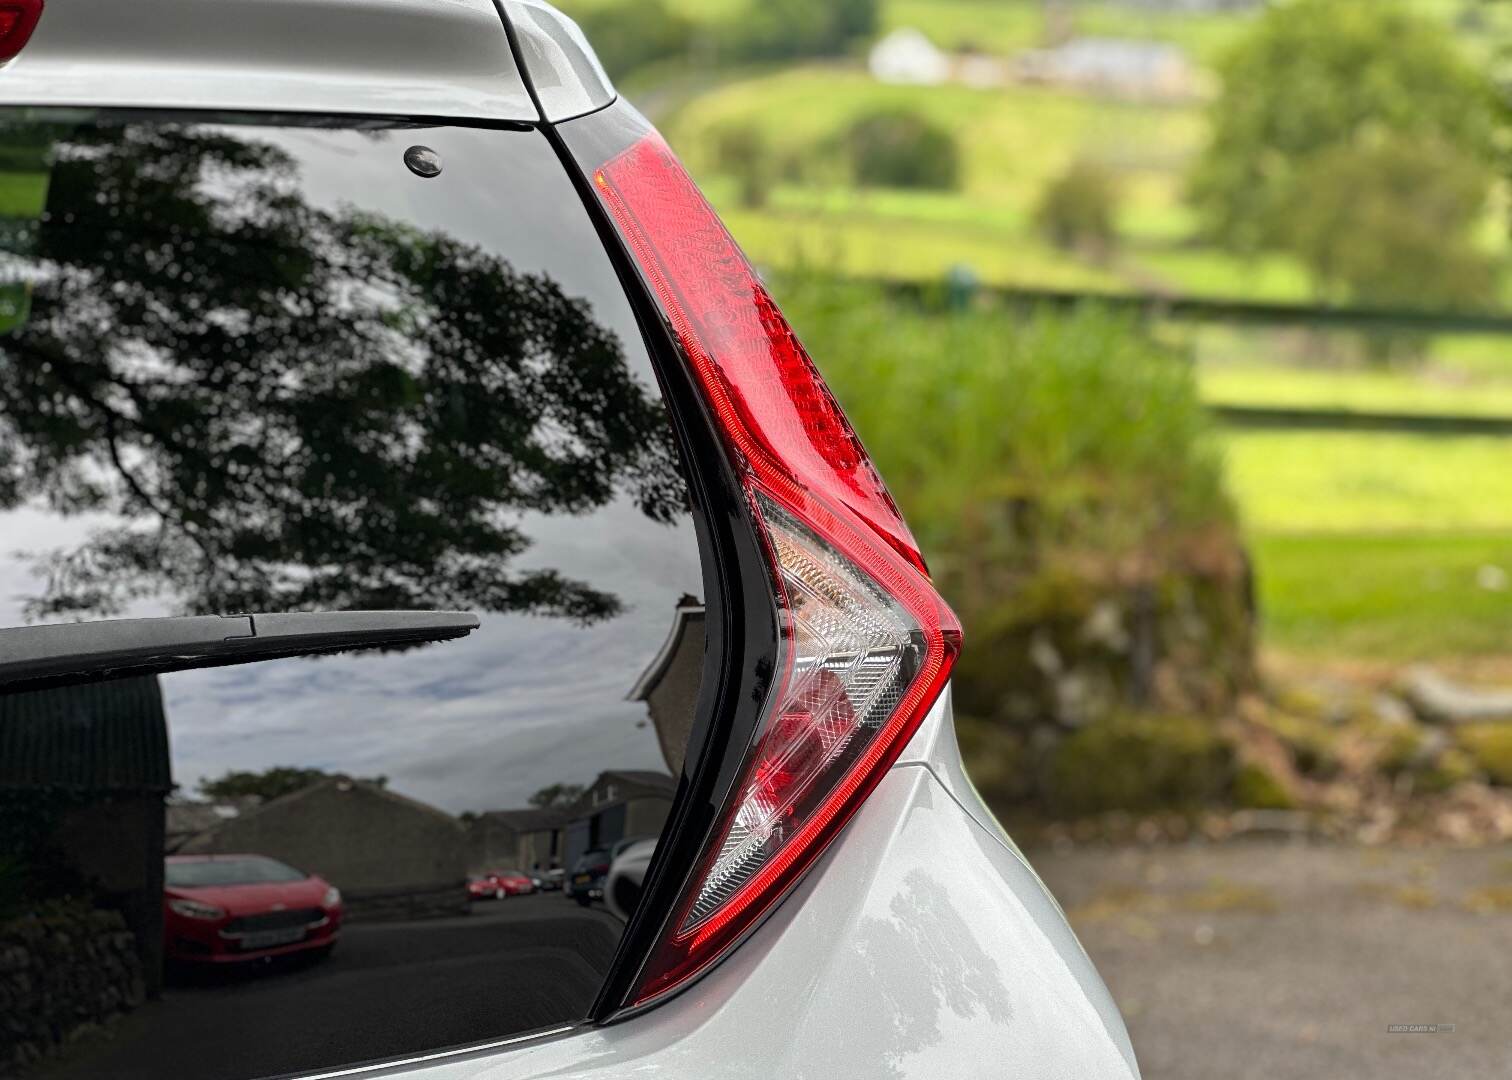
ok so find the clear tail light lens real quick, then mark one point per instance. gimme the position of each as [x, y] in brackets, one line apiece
[866, 642]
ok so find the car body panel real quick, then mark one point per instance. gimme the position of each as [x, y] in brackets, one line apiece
[920, 946]
[564, 71]
[382, 57]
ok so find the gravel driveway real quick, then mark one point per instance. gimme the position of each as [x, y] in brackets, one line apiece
[1282, 961]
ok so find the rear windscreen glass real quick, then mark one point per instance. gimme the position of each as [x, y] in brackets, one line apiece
[261, 365]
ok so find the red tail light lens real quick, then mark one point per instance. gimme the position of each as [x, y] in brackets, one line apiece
[18, 18]
[867, 643]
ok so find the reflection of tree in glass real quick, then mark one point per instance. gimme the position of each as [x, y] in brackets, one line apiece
[290, 407]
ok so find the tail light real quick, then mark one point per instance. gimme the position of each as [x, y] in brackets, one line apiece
[866, 642]
[18, 18]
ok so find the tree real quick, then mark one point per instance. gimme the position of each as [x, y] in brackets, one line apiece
[1392, 223]
[299, 407]
[1315, 76]
[556, 796]
[271, 783]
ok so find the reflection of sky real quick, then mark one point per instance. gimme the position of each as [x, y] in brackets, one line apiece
[473, 724]
[524, 702]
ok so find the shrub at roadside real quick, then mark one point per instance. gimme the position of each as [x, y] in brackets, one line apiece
[1061, 476]
[1139, 763]
[902, 149]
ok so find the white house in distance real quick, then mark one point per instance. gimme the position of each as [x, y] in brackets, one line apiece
[1120, 66]
[906, 57]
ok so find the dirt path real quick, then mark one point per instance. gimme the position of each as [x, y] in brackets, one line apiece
[1281, 961]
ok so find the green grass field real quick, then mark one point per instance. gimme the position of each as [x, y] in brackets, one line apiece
[1400, 598]
[1434, 391]
[1358, 482]
[1378, 546]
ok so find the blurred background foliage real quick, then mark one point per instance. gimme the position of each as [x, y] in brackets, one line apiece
[1203, 553]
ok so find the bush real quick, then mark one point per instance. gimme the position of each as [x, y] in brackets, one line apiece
[899, 148]
[1256, 789]
[1079, 209]
[1490, 747]
[1139, 763]
[1064, 484]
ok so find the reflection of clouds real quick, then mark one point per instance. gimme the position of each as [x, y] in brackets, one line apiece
[469, 724]
[331, 170]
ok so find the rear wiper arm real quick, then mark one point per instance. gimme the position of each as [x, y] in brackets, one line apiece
[32, 656]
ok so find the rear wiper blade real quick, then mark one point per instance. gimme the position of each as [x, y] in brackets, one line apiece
[32, 656]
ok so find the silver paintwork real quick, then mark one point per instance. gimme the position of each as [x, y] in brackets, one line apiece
[445, 58]
[921, 946]
[565, 72]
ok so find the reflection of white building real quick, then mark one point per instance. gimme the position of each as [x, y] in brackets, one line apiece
[907, 57]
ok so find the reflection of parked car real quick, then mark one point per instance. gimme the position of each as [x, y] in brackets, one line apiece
[228, 908]
[481, 887]
[497, 884]
[588, 873]
[547, 880]
[513, 882]
[587, 882]
[627, 873]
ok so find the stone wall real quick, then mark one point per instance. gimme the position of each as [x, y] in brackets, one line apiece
[63, 975]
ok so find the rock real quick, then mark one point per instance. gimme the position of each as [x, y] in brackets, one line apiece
[1392, 710]
[1270, 822]
[1437, 700]
[1044, 655]
[1105, 627]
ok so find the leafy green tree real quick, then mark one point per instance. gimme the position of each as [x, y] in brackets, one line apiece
[1316, 76]
[1392, 224]
[271, 783]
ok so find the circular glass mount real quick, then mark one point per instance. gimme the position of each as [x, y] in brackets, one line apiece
[423, 161]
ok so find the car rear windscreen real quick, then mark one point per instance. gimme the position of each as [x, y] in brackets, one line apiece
[281, 364]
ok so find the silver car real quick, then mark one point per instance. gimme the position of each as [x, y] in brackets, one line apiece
[404, 474]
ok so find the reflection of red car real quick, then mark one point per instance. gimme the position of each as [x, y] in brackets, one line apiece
[226, 908]
[497, 884]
